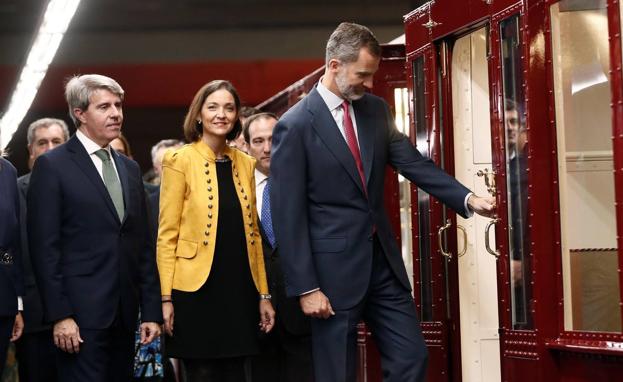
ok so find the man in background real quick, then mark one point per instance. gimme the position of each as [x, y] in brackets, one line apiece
[239, 142]
[35, 349]
[286, 352]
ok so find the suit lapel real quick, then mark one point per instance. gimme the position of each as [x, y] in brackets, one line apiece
[82, 159]
[122, 171]
[365, 133]
[323, 123]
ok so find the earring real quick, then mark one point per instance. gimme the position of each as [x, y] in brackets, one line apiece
[199, 127]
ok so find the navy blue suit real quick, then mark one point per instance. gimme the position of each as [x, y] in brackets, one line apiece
[89, 264]
[336, 236]
[11, 278]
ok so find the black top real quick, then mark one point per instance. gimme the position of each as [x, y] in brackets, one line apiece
[221, 318]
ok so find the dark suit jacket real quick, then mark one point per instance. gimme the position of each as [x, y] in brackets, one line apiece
[11, 278]
[88, 264]
[289, 313]
[153, 207]
[323, 220]
[33, 310]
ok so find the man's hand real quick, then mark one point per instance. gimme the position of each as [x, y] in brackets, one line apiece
[18, 327]
[168, 315]
[149, 332]
[267, 316]
[316, 304]
[67, 335]
[482, 206]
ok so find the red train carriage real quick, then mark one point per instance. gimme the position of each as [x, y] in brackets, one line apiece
[522, 99]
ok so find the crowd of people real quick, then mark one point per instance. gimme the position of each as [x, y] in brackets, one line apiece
[250, 255]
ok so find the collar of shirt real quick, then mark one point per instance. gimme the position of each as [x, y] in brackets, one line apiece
[330, 99]
[260, 183]
[334, 103]
[259, 178]
[89, 145]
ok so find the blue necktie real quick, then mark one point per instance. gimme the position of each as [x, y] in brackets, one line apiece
[266, 219]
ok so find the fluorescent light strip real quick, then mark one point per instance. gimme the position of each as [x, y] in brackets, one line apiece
[57, 17]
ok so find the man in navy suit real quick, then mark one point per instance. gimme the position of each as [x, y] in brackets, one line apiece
[286, 352]
[35, 349]
[11, 278]
[336, 245]
[89, 240]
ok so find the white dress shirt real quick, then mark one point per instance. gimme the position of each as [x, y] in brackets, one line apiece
[91, 148]
[260, 184]
[334, 103]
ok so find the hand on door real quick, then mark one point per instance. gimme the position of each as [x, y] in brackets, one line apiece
[482, 206]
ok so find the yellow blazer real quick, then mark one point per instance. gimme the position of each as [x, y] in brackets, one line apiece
[189, 214]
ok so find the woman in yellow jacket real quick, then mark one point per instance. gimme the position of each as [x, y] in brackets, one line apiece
[209, 251]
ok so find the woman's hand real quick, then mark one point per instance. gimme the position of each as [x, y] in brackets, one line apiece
[267, 316]
[167, 314]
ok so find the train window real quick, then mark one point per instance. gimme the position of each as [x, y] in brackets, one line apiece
[401, 105]
[423, 203]
[516, 138]
[585, 165]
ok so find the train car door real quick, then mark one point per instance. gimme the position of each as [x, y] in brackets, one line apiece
[459, 275]
[434, 230]
[471, 133]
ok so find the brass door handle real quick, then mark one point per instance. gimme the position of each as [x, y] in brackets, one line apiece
[489, 180]
[448, 224]
[492, 252]
[462, 252]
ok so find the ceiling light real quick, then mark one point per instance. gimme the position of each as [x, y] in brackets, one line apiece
[57, 16]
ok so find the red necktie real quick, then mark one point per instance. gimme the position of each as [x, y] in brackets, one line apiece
[351, 140]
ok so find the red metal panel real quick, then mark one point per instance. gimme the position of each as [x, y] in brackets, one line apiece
[170, 85]
[438, 349]
[616, 76]
[452, 277]
[416, 34]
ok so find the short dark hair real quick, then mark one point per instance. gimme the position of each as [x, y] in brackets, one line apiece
[347, 40]
[253, 118]
[192, 130]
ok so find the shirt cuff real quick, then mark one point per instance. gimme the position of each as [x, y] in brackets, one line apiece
[309, 291]
[20, 304]
[468, 211]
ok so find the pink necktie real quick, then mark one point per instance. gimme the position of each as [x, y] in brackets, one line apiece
[351, 140]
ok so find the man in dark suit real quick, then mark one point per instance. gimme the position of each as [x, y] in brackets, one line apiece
[327, 172]
[89, 241]
[35, 349]
[286, 352]
[11, 277]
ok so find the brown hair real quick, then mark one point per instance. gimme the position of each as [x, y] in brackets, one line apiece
[126, 145]
[193, 130]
